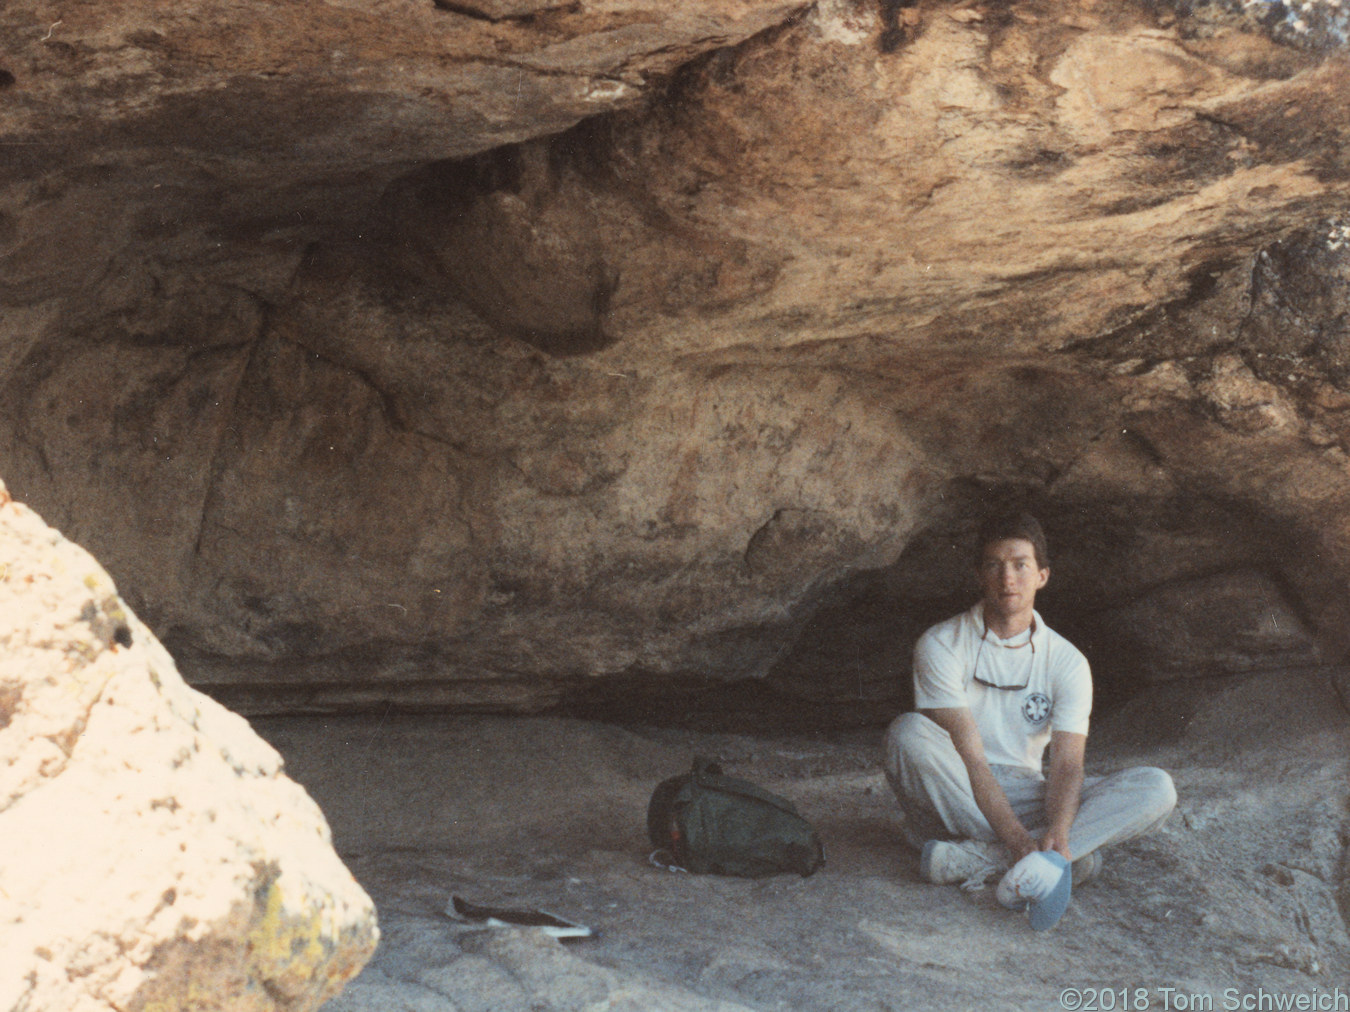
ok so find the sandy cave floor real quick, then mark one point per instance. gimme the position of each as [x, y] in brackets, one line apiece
[1238, 894]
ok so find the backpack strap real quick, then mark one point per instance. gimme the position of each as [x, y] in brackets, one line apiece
[665, 859]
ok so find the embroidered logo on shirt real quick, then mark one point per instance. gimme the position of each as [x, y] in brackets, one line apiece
[1036, 708]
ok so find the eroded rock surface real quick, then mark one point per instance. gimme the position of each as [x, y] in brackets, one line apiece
[152, 853]
[482, 353]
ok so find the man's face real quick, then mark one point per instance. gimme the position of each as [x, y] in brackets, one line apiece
[1009, 576]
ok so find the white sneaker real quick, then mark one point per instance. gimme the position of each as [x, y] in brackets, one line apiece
[1040, 884]
[1087, 868]
[970, 862]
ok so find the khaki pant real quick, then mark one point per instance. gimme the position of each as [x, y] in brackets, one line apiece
[933, 788]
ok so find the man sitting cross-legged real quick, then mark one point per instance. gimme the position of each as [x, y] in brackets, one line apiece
[993, 686]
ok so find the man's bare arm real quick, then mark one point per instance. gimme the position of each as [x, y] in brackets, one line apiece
[1063, 789]
[959, 722]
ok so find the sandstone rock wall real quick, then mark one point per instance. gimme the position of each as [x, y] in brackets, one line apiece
[696, 355]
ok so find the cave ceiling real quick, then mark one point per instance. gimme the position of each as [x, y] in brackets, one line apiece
[490, 353]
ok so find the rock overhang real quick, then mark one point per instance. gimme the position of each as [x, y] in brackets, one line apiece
[384, 398]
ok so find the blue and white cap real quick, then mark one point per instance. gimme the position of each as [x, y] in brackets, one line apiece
[1040, 884]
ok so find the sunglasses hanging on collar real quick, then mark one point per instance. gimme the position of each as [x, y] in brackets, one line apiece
[1030, 655]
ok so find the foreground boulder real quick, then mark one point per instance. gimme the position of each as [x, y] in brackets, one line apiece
[152, 854]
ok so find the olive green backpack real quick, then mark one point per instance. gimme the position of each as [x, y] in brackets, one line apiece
[707, 822]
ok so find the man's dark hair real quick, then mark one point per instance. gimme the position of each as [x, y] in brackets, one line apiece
[1006, 526]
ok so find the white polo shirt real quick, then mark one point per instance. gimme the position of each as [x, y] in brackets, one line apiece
[1014, 723]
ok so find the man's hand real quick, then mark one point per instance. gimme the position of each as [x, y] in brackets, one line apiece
[1022, 847]
[959, 722]
[1053, 840]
